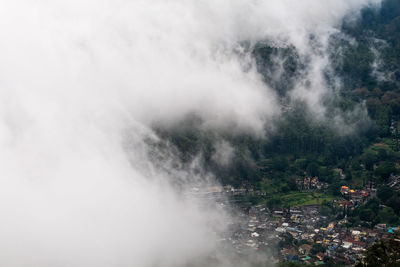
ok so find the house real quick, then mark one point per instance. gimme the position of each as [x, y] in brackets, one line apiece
[347, 244]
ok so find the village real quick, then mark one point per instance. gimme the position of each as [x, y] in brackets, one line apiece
[302, 234]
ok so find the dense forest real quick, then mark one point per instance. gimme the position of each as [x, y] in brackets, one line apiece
[365, 57]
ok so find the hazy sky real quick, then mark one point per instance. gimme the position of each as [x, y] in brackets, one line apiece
[75, 75]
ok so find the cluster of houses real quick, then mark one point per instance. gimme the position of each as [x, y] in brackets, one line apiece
[311, 183]
[394, 182]
[218, 191]
[301, 235]
[355, 195]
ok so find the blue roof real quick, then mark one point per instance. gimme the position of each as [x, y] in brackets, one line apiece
[333, 247]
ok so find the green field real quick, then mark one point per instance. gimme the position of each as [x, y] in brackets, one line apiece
[305, 198]
[293, 199]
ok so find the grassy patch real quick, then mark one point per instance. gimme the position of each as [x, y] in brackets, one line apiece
[293, 199]
[305, 198]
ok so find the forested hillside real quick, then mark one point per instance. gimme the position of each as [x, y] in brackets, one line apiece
[355, 142]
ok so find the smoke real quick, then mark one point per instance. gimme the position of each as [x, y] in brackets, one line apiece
[76, 76]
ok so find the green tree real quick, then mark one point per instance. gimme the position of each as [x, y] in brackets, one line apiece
[316, 248]
[383, 253]
[385, 193]
[369, 158]
[366, 215]
[387, 215]
[313, 169]
[385, 169]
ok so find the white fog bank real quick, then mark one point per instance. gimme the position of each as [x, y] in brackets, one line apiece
[75, 75]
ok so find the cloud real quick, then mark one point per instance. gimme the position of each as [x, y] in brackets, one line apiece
[223, 154]
[76, 75]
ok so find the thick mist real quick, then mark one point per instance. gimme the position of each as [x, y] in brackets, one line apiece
[82, 83]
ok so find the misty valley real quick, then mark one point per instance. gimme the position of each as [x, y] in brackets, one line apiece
[187, 133]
